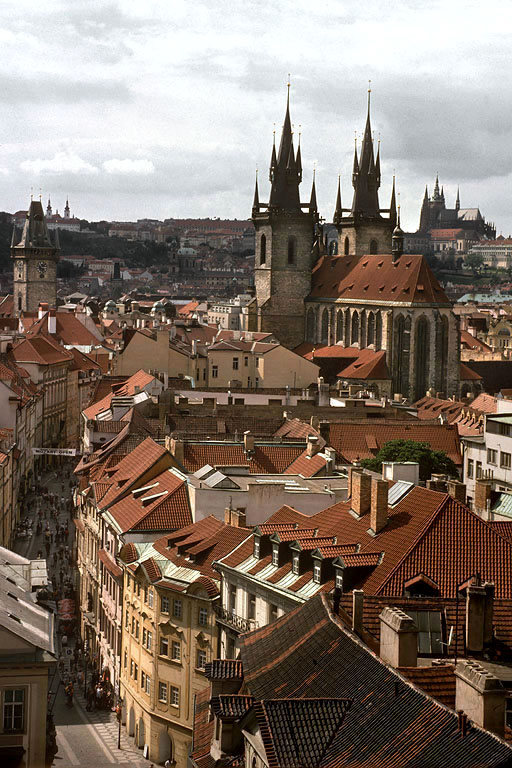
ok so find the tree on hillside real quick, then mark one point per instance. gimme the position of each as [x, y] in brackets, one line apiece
[475, 262]
[430, 461]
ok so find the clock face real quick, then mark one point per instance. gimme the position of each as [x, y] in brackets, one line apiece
[42, 267]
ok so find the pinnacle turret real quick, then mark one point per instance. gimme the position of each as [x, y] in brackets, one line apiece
[313, 208]
[256, 201]
[392, 206]
[286, 169]
[338, 212]
[366, 175]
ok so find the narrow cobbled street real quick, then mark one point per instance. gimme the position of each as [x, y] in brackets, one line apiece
[83, 738]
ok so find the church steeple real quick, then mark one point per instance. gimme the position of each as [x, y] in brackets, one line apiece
[392, 206]
[338, 211]
[49, 207]
[256, 201]
[286, 173]
[436, 197]
[66, 210]
[366, 180]
[457, 202]
[313, 208]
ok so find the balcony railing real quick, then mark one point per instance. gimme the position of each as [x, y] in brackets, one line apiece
[234, 621]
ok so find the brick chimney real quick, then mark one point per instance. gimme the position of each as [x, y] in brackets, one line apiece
[313, 446]
[361, 488]
[378, 505]
[177, 448]
[357, 610]
[483, 489]
[481, 696]
[475, 615]
[227, 515]
[239, 517]
[325, 431]
[457, 490]
[248, 442]
[398, 638]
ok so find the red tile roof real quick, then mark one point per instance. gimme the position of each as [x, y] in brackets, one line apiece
[438, 681]
[369, 365]
[41, 350]
[268, 459]
[350, 441]
[377, 278]
[468, 341]
[307, 466]
[468, 374]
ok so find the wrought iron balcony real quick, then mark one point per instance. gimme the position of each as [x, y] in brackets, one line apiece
[233, 621]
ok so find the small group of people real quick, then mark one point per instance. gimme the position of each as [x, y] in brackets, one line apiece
[101, 693]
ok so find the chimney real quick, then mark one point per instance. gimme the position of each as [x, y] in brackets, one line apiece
[177, 449]
[194, 347]
[227, 515]
[313, 447]
[42, 309]
[483, 489]
[379, 505]
[361, 487]
[475, 613]
[248, 442]
[325, 430]
[52, 321]
[481, 696]
[489, 612]
[457, 490]
[239, 518]
[398, 638]
[357, 610]
[331, 460]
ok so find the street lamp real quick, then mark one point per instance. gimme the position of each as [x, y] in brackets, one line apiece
[119, 715]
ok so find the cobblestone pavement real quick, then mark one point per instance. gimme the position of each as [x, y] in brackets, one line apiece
[83, 738]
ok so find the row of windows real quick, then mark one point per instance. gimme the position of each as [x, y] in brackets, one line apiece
[474, 468]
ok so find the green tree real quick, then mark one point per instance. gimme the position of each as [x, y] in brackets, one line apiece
[475, 262]
[409, 450]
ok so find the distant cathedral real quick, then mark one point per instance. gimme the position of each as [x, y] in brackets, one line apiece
[435, 215]
[365, 293]
[35, 257]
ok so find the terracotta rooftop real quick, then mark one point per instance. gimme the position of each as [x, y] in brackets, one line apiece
[268, 459]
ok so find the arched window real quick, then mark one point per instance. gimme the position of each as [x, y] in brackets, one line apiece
[378, 331]
[333, 248]
[347, 327]
[19, 302]
[362, 340]
[292, 247]
[370, 332]
[339, 326]
[346, 246]
[310, 325]
[324, 336]
[421, 357]
[401, 348]
[374, 246]
[355, 328]
[263, 249]
[442, 354]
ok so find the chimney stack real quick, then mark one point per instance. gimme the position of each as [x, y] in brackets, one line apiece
[398, 638]
[457, 490]
[357, 610]
[475, 615]
[313, 447]
[52, 321]
[483, 488]
[325, 430]
[177, 448]
[248, 442]
[379, 505]
[361, 487]
[481, 696]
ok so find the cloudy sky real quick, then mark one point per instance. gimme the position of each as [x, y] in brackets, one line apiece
[165, 108]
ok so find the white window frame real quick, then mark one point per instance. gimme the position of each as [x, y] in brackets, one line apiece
[175, 696]
[162, 692]
[177, 609]
[176, 650]
[199, 655]
[164, 604]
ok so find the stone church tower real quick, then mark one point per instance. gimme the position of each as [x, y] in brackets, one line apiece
[35, 260]
[365, 230]
[285, 231]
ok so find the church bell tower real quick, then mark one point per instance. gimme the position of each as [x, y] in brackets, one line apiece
[35, 260]
[285, 231]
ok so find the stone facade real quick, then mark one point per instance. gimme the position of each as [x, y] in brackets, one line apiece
[35, 260]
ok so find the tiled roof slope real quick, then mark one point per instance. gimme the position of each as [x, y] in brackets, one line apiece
[438, 681]
[268, 459]
[377, 278]
[352, 441]
[390, 724]
[307, 466]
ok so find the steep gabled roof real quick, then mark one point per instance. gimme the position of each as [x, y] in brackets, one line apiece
[377, 278]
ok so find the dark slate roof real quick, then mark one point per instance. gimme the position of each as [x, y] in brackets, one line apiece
[231, 706]
[224, 669]
[390, 724]
[297, 732]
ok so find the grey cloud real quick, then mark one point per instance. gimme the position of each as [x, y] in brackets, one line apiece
[45, 89]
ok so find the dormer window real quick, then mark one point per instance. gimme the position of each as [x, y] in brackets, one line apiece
[275, 555]
[317, 571]
[338, 579]
[256, 551]
[295, 563]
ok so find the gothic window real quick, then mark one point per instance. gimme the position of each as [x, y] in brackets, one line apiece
[442, 353]
[346, 246]
[19, 302]
[333, 248]
[402, 343]
[339, 326]
[347, 327]
[263, 249]
[421, 355]
[362, 341]
[292, 247]
[325, 327]
[370, 329]
[378, 331]
[374, 246]
[355, 328]
[310, 325]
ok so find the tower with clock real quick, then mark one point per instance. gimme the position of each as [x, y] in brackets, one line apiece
[35, 259]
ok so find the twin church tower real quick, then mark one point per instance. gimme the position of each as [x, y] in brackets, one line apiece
[289, 236]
